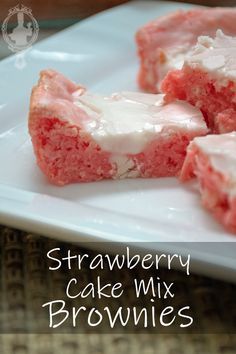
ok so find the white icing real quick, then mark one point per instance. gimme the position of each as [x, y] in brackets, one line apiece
[216, 56]
[125, 167]
[221, 150]
[125, 123]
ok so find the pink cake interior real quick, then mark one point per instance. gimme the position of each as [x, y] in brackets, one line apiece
[218, 104]
[213, 186]
[60, 148]
[67, 153]
[163, 157]
[60, 145]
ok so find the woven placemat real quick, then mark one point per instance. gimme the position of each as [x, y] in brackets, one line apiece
[24, 277]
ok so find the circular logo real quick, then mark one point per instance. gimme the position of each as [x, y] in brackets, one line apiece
[25, 33]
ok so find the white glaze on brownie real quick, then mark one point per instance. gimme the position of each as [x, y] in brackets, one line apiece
[216, 56]
[124, 123]
[221, 151]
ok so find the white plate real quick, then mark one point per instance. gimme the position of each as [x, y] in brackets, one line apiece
[100, 53]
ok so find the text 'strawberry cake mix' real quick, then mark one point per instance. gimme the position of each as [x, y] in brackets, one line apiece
[79, 136]
[212, 159]
[164, 43]
[208, 81]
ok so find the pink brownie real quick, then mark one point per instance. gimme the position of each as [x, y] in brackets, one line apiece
[208, 81]
[79, 136]
[212, 159]
[164, 43]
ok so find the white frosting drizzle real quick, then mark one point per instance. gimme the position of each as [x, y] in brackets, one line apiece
[221, 150]
[124, 123]
[216, 56]
[125, 167]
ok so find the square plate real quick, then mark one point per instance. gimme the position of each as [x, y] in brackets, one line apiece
[100, 53]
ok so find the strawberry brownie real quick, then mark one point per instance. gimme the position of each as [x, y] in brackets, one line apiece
[212, 159]
[164, 43]
[80, 136]
[208, 81]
